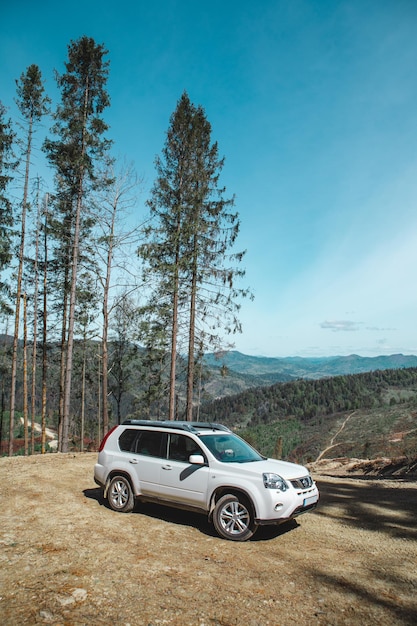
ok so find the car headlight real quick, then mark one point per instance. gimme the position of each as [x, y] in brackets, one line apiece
[274, 481]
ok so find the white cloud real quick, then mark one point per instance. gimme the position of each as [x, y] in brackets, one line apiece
[340, 325]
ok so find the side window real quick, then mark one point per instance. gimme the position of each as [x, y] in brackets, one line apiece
[149, 443]
[127, 440]
[181, 446]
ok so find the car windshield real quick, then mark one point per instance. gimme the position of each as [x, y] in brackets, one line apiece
[229, 448]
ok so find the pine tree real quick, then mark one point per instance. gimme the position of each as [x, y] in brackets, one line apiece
[163, 255]
[75, 155]
[187, 256]
[212, 269]
[33, 105]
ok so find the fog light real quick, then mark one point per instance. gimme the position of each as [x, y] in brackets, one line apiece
[278, 506]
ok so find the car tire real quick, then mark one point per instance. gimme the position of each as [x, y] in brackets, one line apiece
[120, 495]
[233, 518]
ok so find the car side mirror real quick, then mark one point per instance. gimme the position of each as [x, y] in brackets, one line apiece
[196, 459]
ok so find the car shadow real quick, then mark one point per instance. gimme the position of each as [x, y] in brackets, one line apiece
[189, 518]
[266, 533]
[388, 507]
[96, 494]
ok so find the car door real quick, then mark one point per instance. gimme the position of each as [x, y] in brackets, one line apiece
[149, 451]
[180, 480]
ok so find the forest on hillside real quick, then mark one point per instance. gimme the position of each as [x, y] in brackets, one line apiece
[368, 415]
[306, 399]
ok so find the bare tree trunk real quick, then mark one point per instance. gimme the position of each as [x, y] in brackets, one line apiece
[71, 321]
[19, 289]
[63, 361]
[278, 448]
[3, 391]
[14, 370]
[44, 329]
[105, 358]
[99, 402]
[174, 331]
[74, 268]
[25, 376]
[83, 397]
[104, 379]
[191, 341]
[35, 336]
[199, 394]
[33, 399]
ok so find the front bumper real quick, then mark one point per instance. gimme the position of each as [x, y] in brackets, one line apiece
[284, 506]
[298, 511]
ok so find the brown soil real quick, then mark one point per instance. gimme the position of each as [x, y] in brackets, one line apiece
[67, 559]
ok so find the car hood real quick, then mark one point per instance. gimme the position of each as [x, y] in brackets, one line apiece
[272, 466]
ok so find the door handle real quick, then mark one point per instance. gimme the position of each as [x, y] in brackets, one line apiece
[167, 467]
[133, 461]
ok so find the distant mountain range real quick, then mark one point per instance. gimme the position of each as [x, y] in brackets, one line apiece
[233, 371]
[230, 373]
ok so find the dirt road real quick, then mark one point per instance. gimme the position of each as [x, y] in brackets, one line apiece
[67, 559]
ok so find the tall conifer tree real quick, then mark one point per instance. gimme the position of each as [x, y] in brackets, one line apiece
[75, 154]
[190, 241]
[33, 105]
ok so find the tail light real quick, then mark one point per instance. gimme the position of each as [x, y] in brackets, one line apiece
[106, 436]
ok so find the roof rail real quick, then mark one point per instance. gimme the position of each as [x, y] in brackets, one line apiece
[209, 426]
[178, 425]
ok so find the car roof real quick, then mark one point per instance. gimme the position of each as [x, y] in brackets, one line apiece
[192, 427]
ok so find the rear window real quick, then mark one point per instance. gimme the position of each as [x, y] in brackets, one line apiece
[127, 440]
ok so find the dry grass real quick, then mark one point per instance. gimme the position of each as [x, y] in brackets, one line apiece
[67, 559]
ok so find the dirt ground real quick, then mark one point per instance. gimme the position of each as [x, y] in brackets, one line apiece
[67, 559]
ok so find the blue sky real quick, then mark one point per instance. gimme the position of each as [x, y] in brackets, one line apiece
[313, 104]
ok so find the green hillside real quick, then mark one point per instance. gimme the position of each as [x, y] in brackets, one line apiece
[300, 419]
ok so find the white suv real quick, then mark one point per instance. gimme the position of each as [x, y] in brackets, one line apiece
[201, 467]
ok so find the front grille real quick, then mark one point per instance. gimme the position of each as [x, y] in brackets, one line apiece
[302, 483]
